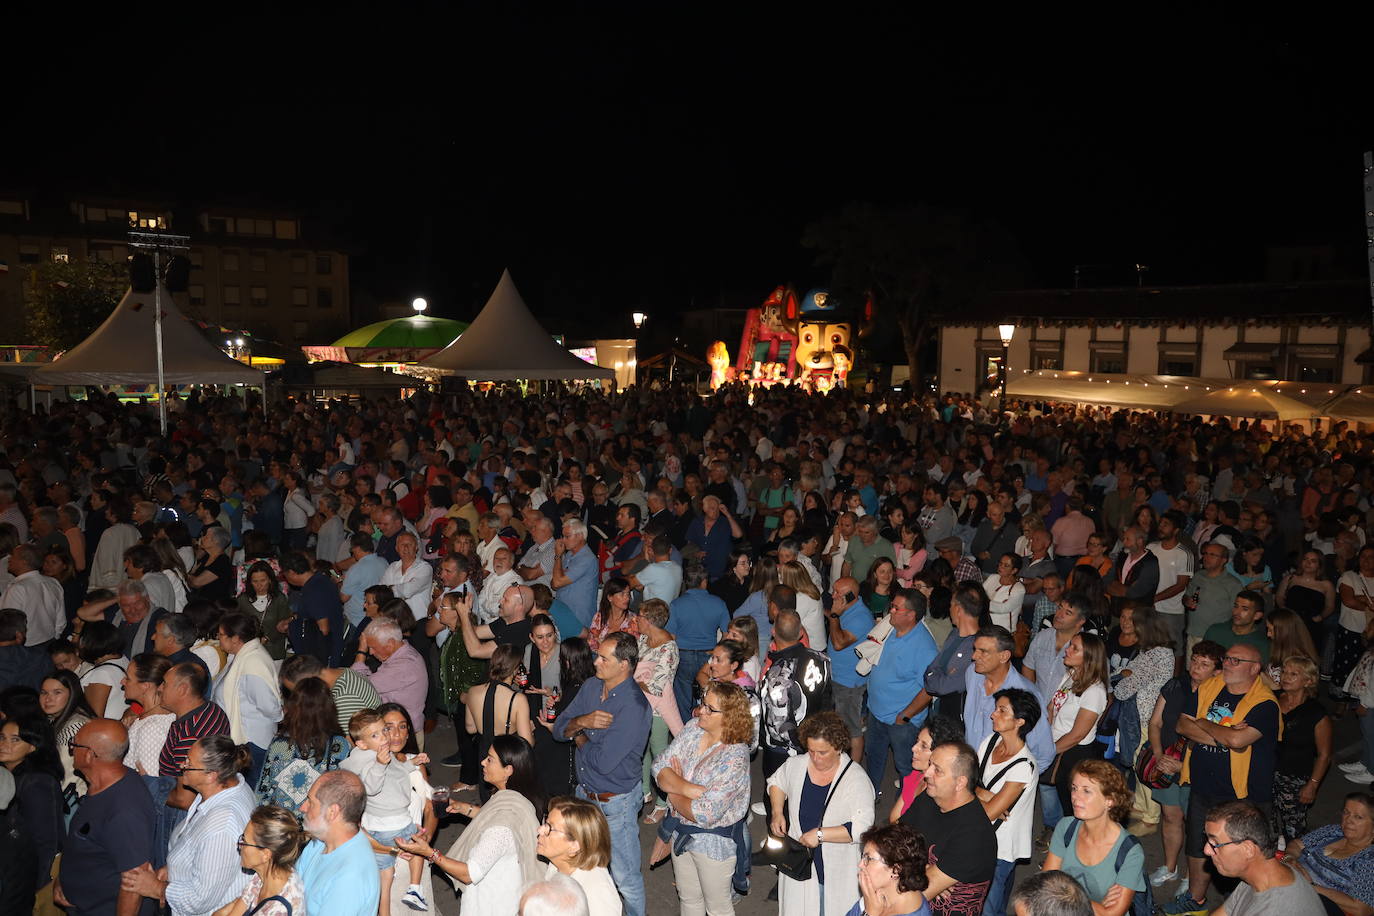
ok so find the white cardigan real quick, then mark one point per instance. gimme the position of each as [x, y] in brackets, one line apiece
[852, 803]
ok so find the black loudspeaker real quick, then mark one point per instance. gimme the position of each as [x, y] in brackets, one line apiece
[177, 274]
[142, 276]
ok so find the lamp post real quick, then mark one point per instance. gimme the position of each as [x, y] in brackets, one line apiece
[419, 305]
[1006, 332]
[638, 318]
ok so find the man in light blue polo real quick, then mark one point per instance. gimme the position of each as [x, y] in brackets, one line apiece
[896, 706]
[574, 571]
[698, 619]
[365, 572]
[848, 622]
[662, 578]
[337, 866]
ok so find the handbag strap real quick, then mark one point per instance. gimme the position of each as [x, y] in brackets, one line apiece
[831, 794]
[262, 903]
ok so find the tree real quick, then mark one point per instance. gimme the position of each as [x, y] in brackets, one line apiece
[65, 301]
[917, 263]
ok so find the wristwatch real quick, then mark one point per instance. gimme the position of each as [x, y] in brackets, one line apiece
[834, 616]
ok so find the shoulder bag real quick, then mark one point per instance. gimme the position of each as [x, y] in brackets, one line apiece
[787, 855]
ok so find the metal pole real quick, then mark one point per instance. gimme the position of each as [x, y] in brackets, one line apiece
[1002, 371]
[157, 331]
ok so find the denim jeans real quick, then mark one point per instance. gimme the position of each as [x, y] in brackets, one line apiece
[689, 662]
[622, 816]
[900, 737]
[1051, 812]
[1000, 891]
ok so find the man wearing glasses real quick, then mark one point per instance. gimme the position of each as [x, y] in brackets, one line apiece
[1242, 845]
[111, 832]
[1234, 734]
[1211, 593]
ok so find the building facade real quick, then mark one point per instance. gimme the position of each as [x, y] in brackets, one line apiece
[259, 271]
[1301, 332]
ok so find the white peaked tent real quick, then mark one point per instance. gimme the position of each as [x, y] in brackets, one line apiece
[123, 351]
[506, 342]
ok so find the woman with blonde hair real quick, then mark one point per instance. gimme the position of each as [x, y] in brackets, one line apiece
[271, 843]
[1288, 638]
[1304, 748]
[794, 576]
[576, 840]
[1093, 833]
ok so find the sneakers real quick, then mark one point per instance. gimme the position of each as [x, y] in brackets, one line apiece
[1162, 875]
[1355, 767]
[1363, 777]
[415, 899]
[757, 808]
[1184, 905]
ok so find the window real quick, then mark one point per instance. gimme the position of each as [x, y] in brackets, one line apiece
[1172, 364]
[30, 254]
[61, 254]
[97, 214]
[324, 297]
[197, 259]
[195, 294]
[298, 264]
[257, 262]
[231, 260]
[300, 296]
[221, 225]
[1257, 370]
[324, 264]
[231, 295]
[257, 295]
[1314, 372]
[286, 228]
[1109, 361]
[262, 227]
[104, 254]
[146, 220]
[11, 208]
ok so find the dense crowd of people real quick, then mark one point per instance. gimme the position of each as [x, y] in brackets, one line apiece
[223, 650]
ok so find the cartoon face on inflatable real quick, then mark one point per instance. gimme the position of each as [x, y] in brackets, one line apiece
[816, 341]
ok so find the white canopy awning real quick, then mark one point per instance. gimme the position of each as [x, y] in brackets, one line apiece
[123, 351]
[505, 342]
[1181, 394]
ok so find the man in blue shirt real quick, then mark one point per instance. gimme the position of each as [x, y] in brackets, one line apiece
[713, 532]
[990, 672]
[365, 572]
[896, 707]
[848, 622]
[574, 571]
[697, 619]
[318, 601]
[337, 866]
[610, 719]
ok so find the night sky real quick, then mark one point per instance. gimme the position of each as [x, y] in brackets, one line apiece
[651, 156]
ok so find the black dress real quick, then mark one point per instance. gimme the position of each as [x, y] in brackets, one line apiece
[554, 759]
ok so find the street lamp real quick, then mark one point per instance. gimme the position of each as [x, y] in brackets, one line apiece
[1006, 332]
[419, 305]
[638, 318]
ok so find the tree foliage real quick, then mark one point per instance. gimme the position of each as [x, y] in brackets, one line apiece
[917, 262]
[65, 301]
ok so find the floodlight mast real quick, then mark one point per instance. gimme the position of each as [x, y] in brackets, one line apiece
[157, 243]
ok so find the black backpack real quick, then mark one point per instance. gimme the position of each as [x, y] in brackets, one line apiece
[1142, 904]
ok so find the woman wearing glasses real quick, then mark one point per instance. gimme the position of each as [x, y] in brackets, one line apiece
[577, 842]
[203, 872]
[268, 848]
[705, 773]
[892, 872]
